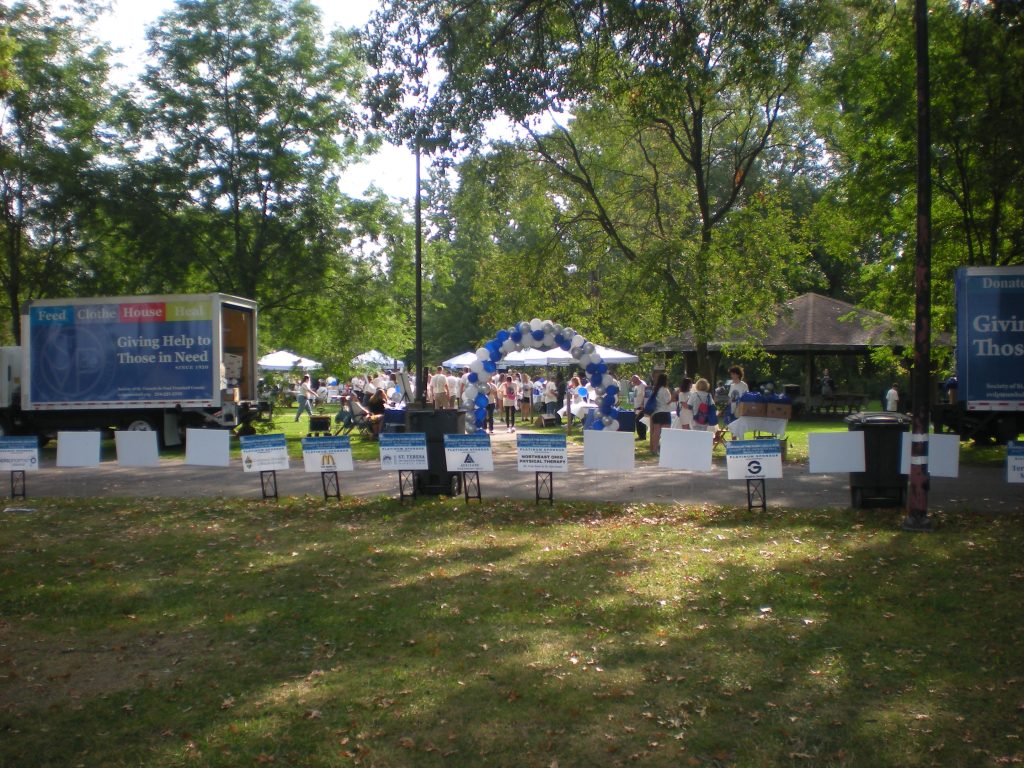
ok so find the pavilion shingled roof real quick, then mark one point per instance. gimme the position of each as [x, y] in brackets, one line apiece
[809, 323]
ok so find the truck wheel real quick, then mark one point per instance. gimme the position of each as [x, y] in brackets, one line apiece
[140, 425]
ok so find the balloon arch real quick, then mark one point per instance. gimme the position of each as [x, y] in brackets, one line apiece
[542, 334]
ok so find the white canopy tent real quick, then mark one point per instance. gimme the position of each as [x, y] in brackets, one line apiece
[523, 358]
[559, 356]
[376, 359]
[283, 360]
[460, 361]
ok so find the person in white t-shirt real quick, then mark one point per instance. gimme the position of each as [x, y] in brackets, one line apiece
[639, 399]
[737, 388]
[892, 399]
[439, 388]
[550, 397]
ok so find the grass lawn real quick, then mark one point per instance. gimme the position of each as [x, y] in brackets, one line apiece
[304, 633]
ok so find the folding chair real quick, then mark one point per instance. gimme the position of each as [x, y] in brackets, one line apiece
[360, 418]
[345, 419]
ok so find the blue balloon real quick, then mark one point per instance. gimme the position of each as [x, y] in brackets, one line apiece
[596, 379]
[502, 336]
[612, 390]
[495, 355]
[481, 401]
[608, 399]
[516, 336]
[602, 368]
[566, 345]
[591, 368]
[598, 425]
[582, 391]
[559, 339]
[491, 345]
[537, 335]
[490, 366]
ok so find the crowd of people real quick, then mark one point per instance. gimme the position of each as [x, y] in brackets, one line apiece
[514, 397]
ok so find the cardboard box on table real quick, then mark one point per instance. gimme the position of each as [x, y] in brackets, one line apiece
[750, 408]
[779, 411]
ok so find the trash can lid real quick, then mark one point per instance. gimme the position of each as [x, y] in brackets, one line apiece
[877, 419]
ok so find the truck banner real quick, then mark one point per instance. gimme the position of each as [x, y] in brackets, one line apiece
[990, 337]
[129, 352]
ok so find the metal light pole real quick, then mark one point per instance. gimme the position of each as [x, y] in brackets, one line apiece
[421, 374]
[917, 506]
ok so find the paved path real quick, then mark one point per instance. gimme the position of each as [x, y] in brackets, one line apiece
[982, 489]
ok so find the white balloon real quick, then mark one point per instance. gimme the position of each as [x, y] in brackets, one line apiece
[477, 366]
[524, 328]
[507, 346]
[577, 342]
[549, 339]
[576, 352]
[548, 327]
[613, 425]
[483, 354]
[470, 392]
[583, 359]
[536, 324]
[557, 328]
[589, 348]
[568, 333]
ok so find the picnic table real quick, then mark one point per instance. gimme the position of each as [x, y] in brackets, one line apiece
[839, 404]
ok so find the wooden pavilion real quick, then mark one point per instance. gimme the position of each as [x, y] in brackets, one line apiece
[809, 325]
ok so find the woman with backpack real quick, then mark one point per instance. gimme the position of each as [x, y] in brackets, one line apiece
[702, 405]
[661, 417]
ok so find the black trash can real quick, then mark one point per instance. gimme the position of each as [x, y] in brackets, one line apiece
[436, 480]
[880, 484]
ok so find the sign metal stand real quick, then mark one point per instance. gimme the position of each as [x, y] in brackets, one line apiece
[756, 496]
[332, 487]
[268, 483]
[18, 484]
[544, 486]
[471, 485]
[406, 484]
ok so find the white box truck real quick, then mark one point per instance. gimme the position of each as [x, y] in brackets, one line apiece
[131, 362]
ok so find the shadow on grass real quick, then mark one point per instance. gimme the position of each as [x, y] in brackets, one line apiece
[506, 635]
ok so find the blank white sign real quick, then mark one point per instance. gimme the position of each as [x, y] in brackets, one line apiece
[207, 447]
[686, 449]
[78, 449]
[943, 455]
[608, 450]
[137, 449]
[836, 452]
